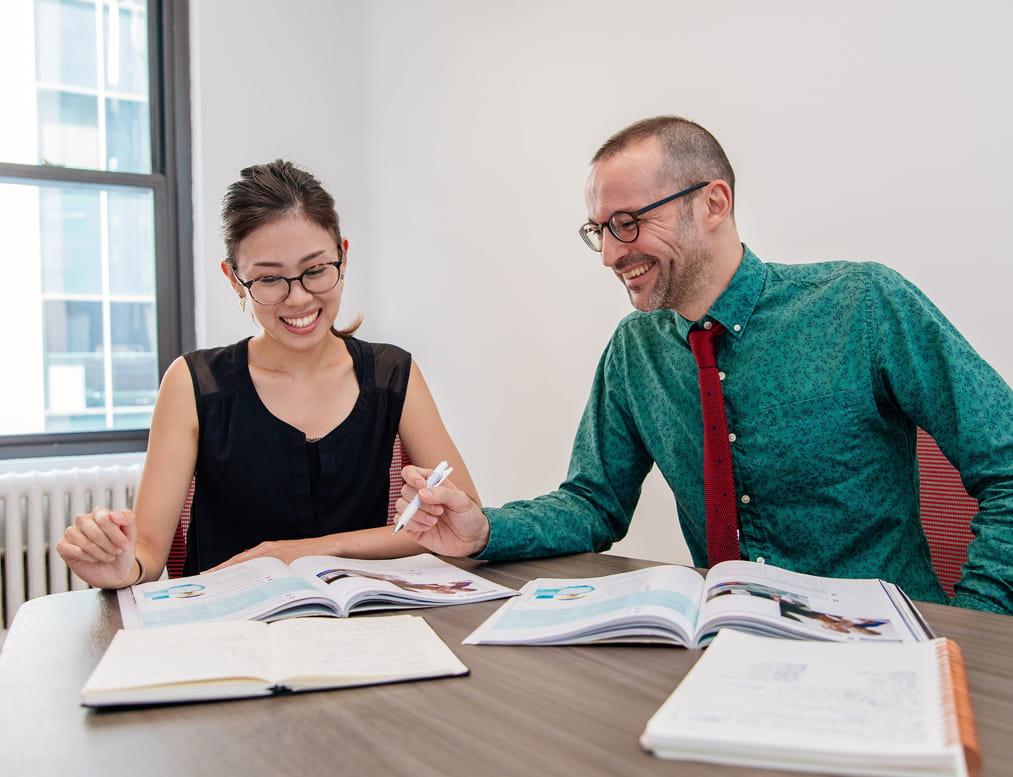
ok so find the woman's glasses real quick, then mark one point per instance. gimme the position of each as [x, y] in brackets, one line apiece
[274, 289]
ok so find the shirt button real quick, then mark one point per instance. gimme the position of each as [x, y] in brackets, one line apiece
[708, 324]
[737, 327]
[744, 499]
[761, 560]
[721, 376]
[731, 437]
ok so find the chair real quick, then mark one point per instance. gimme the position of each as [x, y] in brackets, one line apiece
[177, 553]
[946, 511]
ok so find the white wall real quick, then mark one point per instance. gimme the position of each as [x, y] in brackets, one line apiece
[271, 80]
[455, 135]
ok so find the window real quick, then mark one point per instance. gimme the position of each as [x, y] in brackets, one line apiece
[95, 219]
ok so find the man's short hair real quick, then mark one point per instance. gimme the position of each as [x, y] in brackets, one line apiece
[693, 155]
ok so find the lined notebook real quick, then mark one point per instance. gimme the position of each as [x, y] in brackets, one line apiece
[237, 659]
[860, 708]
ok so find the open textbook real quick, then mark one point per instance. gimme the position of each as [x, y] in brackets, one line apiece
[234, 659]
[269, 589]
[869, 709]
[678, 605]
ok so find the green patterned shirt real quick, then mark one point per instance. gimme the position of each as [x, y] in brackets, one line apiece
[829, 369]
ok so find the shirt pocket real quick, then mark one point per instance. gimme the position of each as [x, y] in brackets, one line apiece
[803, 449]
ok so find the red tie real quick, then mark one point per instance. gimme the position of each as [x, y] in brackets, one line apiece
[718, 480]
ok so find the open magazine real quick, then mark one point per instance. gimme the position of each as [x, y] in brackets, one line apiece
[678, 605]
[268, 589]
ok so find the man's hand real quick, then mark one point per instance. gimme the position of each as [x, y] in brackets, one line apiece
[448, 522]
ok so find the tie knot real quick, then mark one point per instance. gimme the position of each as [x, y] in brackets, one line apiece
[701, 341]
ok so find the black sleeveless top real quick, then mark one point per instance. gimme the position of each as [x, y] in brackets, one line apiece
[257, 478]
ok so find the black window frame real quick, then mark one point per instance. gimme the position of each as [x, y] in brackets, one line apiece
[170, 183]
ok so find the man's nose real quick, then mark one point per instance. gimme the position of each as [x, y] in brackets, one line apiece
[613, 249]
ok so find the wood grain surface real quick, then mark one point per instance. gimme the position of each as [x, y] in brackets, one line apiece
[526, 711]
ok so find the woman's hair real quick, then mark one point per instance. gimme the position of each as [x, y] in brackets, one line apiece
[268, 192]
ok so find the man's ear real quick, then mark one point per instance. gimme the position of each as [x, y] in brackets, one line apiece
[717, 201]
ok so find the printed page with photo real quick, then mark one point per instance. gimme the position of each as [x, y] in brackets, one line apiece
[764, 599]
[657, 604]
[259, 589]
[382, 584]
[677, 605]
[268, 589]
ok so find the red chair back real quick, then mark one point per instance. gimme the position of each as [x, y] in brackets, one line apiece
[946, 511]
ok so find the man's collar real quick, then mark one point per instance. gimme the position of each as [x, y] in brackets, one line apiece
[735, 306]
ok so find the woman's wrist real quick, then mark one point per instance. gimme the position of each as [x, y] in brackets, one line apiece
[337, 546]
[140, 572]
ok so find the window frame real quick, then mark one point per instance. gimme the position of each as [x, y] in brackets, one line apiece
[170, 183]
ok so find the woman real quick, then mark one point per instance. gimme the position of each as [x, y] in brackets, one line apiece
[288, 435]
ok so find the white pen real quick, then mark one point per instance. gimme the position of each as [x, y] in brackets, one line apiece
[441, 473]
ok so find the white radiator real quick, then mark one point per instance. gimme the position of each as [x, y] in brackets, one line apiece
[35, 508]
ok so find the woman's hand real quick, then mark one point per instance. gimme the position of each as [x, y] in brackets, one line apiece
[286, 550]
[100, 547]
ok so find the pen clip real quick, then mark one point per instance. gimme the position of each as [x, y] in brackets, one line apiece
[437, 475]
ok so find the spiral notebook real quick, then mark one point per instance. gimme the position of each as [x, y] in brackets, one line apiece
[856, 708]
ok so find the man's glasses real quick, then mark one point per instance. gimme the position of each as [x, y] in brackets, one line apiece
[625, 226]
[274, 289]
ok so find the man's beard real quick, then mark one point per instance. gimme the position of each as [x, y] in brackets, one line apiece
[681, 279]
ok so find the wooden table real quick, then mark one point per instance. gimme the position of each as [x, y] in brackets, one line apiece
[529, 711]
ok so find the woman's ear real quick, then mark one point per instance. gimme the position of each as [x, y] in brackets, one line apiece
[227, 271]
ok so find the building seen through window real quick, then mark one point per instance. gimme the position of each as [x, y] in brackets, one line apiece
[79, 205]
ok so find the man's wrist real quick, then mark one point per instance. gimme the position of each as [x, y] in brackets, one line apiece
[482, 541]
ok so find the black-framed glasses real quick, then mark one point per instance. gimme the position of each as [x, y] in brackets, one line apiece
[624, 225]
[274, 289]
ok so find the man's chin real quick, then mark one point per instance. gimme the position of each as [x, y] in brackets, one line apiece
[643, 300]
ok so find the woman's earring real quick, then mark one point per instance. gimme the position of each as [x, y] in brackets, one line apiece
[242, 303]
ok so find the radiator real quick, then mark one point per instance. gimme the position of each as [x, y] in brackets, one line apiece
[35, 508]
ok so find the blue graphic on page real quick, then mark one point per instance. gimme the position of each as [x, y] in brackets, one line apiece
[222, 608]
[564, 593]
[538, 616]
[183, 591]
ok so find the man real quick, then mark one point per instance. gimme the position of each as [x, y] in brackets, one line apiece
[826, 371]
